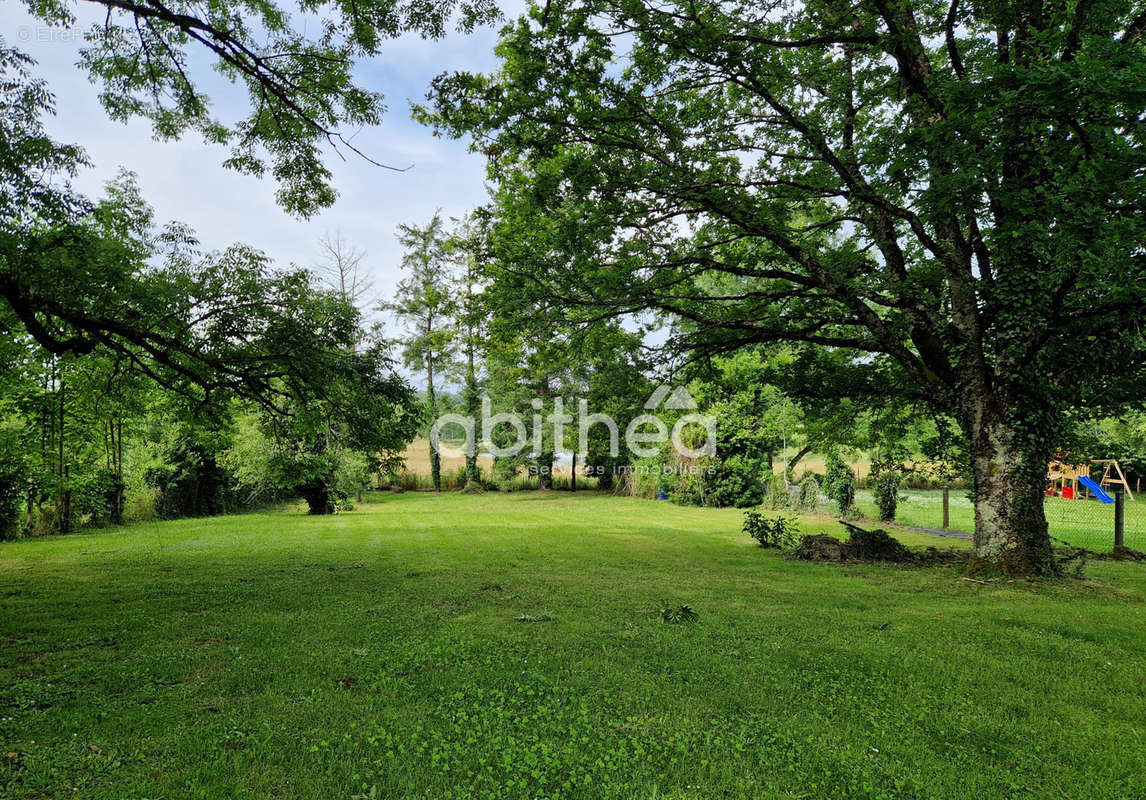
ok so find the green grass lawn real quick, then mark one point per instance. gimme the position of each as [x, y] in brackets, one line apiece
[378, 654]
[1082, 523]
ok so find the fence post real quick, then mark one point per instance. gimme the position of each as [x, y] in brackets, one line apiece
[946, 508]
[1119, 519]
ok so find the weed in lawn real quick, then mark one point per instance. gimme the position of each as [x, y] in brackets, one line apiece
[678, 615]
[779, 532]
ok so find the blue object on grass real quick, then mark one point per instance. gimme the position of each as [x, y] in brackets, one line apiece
[662, 496]
[1097, 490]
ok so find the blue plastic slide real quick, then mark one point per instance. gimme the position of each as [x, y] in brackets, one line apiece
[1095, 489]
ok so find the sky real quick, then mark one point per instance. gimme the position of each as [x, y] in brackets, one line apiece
[185, 180]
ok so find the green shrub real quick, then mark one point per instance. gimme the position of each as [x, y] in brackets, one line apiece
[506, 474]
[140, 503]
[840, 483]
[732, 482]
[777, 532]
[193, 480]
[709, 481]
[476, 486]
[13, 485]
[635, 480]
[885, 487]
[809, 496]
[777, 497]
[686, 488]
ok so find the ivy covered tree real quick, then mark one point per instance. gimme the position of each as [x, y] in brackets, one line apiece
[752, 417]
[948, 193]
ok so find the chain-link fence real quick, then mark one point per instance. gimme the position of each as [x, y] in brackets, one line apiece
[1091, 523]
[1085, 523]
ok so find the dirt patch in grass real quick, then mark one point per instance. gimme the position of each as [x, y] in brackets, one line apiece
[876, 544]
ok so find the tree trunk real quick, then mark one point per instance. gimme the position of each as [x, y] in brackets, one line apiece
[1009, 470]
[65, 510]
[545, 456]
[798, 457]
[64, 492]
[120, 486]
[435, 456]
[544, 471]
[436, 470]
[30, 502]
[318, 497]
[573, 474]
[473, 408]
[113, 451]
[115, 502]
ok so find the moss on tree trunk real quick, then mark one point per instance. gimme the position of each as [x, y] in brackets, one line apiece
[1008, 466]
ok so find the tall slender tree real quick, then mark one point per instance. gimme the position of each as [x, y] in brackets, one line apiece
[425, 304]
[465, 246]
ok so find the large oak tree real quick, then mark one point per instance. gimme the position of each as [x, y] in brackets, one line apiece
[951, 191]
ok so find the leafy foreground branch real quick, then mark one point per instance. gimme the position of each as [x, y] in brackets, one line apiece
[99, 307]
[150, 58]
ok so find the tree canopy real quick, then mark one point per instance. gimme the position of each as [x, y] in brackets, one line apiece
[951, 192]
[74, 281]
[103, 306]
